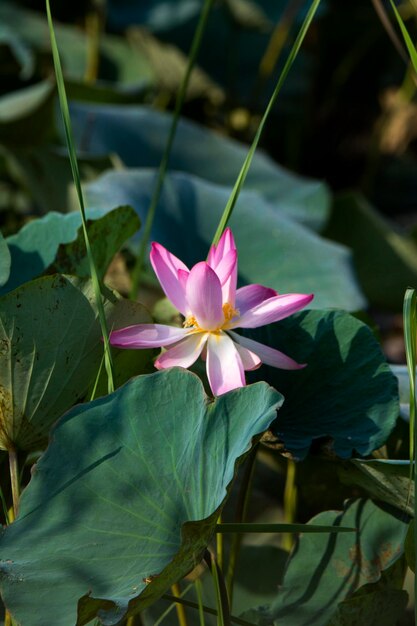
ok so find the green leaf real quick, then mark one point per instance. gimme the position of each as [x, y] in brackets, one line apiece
[106, 234]
[5, 261]
[128, 491]
[389, 482]
[373, 605]
[120, 61]
[407, 39]
[325, 570]
[50, 352]
[35, 246]
[269, 243]
[385, 259]
[138, 135]
[346, 393]
[27, 115]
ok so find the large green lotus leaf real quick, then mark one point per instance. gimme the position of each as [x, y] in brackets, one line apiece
[50, 352]
[385, 259]
[139, 135]
[273, 250]
[388, 481]
[5, 261]
[325, 570]
[35, 247]
[347, 392]
[128, 491]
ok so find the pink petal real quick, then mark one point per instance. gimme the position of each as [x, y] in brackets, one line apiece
[225, 245]
[204, 296]
[224, 365]
[268, 355]
[252, 295]
[273, 310]
[166, 267]
[147, 336]
[184, 353]
[183, 277]
[226, 266]
[250, 360]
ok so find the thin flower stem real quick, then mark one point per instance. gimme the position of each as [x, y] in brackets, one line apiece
[93, 25]
[219, 545]
[223, 606]
[96, 282]
[182, 617]
[240, 516]
[14, 479]
[207, 609]
[195, 47]
[248, 160]
[290, 502]
[199, 592]
[173, 605]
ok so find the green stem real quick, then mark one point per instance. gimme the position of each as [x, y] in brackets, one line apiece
[14, 479]
[66, 119]
[181, 615]
[199, 592]
[246, 164]
[223, 606]
[195, 46]
[290, 502]
[240, 516]
[172, 605]
[206, 609]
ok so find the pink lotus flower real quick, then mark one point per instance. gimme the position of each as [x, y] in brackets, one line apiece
[207, 297]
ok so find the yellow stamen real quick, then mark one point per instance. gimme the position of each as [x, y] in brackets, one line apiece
[190, 321]
[229, 311]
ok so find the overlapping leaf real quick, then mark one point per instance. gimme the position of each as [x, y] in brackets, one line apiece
[325, 570]
[50, 352]
[346, 393]
[388, 481]
[269, 243]
[139, 134]
[104, 514]
[52, 244]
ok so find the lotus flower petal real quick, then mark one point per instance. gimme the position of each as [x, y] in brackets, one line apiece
[166, 266]
[224, 365]
[147, 336]
[273, 310]
[204, 296]
[185, 353]
[267, 355]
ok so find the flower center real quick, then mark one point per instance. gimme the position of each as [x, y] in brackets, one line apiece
[190, 322]
[229, 313]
